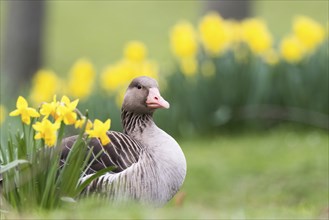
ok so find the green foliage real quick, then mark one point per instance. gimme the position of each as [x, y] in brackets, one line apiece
[31, 177]
[248, 90]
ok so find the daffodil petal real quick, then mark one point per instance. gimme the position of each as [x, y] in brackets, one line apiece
[37, 126]
[21, 102]
[105, 139]
[26, 119]
[90, 132]
[32, 112]
[97, 123]
[65, 100]
[107, 124]
[74, 104]
[37, 136]
[14, 113]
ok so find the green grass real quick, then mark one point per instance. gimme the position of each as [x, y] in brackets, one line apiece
[280, 173]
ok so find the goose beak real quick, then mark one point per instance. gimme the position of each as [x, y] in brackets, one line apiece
[154, 99]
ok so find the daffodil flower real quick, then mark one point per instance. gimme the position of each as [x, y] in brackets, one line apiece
[47, 131]
[66, 110]
[99, 131]
[50, 109]
[79, 123]
[23, 110]
[85, 72]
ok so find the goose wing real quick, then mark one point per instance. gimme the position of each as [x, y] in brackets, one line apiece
[121, 152]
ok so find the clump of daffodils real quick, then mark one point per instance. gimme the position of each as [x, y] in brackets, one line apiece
[115, 77]
[52, 115]
[306, 36]
[78, 84]
[215, 36]
[184, 46]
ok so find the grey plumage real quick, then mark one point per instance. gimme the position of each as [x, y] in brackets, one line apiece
[150, 166]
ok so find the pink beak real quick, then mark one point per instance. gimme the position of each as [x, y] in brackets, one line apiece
[154, 99]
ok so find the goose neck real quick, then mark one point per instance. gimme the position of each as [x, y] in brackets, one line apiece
[133, 123]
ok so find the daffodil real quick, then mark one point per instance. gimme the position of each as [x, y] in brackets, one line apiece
[135, 51]
[183, 40]
[99, 131]
[47, 131]
[115, 77]
[24, 110]
[81, 79]
[44, 86]
[256, 35]
[309, 32]
[2, 114]
[80, 122]
[50, 108]
[291, 49]
[66, 110]
[214, 33]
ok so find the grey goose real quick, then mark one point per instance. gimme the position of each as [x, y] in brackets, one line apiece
[150, 166]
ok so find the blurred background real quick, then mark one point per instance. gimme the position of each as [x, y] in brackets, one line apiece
[247, 82]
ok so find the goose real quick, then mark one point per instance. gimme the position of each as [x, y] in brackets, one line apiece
[150, 166]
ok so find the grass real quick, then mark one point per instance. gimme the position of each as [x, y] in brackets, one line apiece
[280, 173]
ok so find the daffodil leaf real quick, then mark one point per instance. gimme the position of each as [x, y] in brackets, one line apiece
[93, 177]
[12, 165]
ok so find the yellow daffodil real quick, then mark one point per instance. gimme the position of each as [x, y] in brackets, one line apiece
[135, 51]
[50, 108]
[291, 49]
[2, 114]
[99, 131]
[214, 33]
[81, 79]
[66, 110]
[115, 77]
[309, 32]
[44, 86]
[80, 122]
[183, 40]
[256, 35]
[47, 131]
[25, 111]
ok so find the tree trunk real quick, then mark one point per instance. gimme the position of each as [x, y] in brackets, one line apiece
[232, 9]
[22, 41]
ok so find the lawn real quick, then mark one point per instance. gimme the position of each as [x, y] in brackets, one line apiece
[279, 173]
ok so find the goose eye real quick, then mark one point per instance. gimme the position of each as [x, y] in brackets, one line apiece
[139, 87]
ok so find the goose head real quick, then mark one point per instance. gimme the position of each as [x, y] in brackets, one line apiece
[143, 96]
